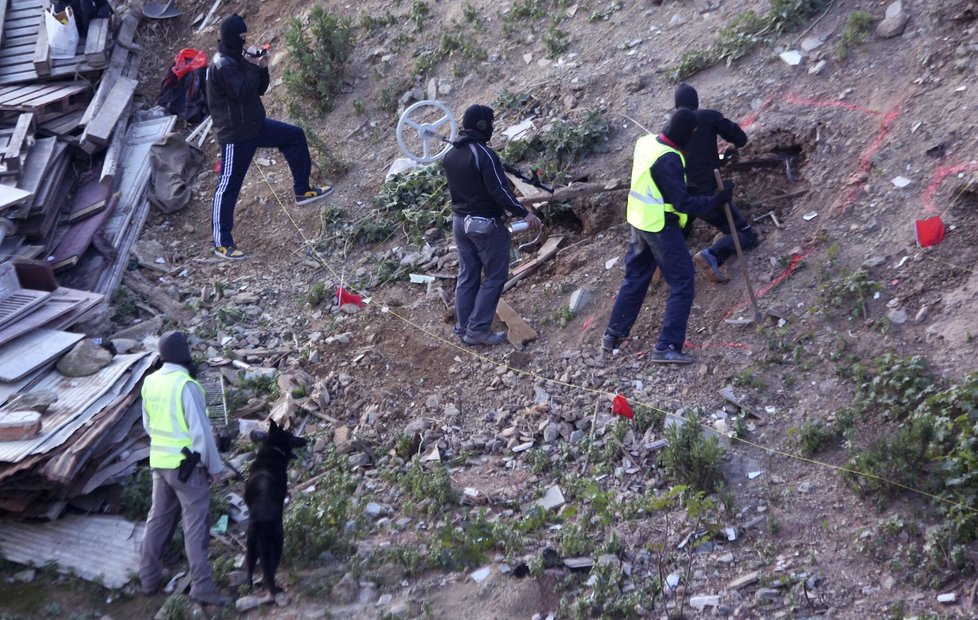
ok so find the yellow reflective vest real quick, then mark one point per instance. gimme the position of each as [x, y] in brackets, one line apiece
[646, 206]
[168, 431]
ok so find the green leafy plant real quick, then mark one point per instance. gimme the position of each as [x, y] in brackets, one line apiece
[692, 458]
[316, 294]
[555, 40]
[850, 288]
[320, 50]
[414, 201]
[855, 32]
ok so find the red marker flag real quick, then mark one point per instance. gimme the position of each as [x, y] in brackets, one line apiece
[620, 406]
[344, 297]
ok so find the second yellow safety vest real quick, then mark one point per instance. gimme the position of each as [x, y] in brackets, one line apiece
[646, 206]
[168, 431]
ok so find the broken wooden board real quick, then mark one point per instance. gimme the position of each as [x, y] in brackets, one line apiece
[45, 171]
[62, 309]
[11, 197]
[42, 51]
[99, 548]
[99, 131]
[22, 26]
[546, 252]
[96, 42]
[46, 101]
[576, 190]
[15, 145]
[90, 198]
[519, 332]
[38, 159]
[3, 15]
[25, 354]
[78, 237]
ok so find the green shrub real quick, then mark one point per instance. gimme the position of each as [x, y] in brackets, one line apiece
[813, 436]
[137, 496]
[855, 32]
[326, 519]
[691, 458]
[413, 201]
[900, 459]
[850, 289]
[320, 52]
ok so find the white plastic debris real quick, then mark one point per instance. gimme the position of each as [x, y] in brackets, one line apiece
[900, 181]
[792, 57]
[811, 215]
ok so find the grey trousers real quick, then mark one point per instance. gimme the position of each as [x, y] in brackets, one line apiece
[483, 264]
[171, 498]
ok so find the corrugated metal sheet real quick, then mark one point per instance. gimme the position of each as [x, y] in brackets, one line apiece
[78, 400]
[97, 548]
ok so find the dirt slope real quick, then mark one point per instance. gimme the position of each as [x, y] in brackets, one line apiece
[851, 127]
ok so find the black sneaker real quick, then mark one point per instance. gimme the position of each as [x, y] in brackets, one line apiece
[211, 598]
[670, 356]
[458, 331]
[486, 337]
[705, 260]
[313, 194]
[610, 342]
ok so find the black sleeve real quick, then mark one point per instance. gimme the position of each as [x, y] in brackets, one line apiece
[667, 173]
[729, 131]
[494, 178]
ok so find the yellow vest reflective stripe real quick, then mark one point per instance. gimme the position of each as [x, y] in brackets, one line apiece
[168, 430]
[646, 206]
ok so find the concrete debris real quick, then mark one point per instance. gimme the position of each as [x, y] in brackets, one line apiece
[948, 598]
[791, 57]
[18, 425]
[894, 22]
[699, 603]
[552, 499]
[743, 581]
[481, 574]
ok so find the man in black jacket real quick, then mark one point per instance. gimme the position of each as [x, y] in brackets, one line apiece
[236, 80]
[701, 160]
[480, 198]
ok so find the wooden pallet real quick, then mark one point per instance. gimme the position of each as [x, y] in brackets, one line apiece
[21, 56]
[45, 101]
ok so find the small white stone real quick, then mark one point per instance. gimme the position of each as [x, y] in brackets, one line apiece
[792, 57]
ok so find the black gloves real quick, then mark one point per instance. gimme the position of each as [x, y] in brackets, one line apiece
[725, 195]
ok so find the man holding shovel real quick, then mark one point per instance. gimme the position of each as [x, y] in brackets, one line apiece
[701, 160]
[658, 206]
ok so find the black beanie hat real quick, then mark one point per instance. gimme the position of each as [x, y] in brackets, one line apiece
[479, 118]
[174, 349]
[686, 97]
[681, 126]
[232, 28]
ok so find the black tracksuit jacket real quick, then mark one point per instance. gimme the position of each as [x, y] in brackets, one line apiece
[476, 181]
[234, 90]
[701, 150]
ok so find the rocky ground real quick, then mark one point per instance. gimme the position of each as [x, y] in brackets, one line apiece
[445, 481]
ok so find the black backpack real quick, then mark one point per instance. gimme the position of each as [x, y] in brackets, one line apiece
[183, 92]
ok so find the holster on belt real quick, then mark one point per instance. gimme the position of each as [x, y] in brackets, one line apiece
[187, 465]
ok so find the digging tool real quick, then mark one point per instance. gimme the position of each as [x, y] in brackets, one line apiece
[740, 252]
[158, 10]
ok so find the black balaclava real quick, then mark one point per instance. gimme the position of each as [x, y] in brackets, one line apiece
[686, 97]
[232, 28]
[174, 349]
[479, 118]
[681, 126]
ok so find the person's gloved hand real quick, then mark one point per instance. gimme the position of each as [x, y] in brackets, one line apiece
[533, 221]
[725, 195]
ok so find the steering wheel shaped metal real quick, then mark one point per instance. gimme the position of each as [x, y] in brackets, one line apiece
[429, 133]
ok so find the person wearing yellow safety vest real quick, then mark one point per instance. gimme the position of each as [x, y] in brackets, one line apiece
[175, 417]
[658, 205]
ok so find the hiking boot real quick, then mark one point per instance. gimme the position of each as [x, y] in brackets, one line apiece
[610, 342]
[211, 598]
[313, 194]
[487, 337]
[458, 331]
[705, 260]
[670, 356]
[229, 252]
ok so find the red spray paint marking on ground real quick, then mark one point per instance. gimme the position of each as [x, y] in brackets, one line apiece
[939, 175]
[851, 194]
[753, 116]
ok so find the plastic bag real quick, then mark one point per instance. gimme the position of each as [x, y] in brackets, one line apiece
[62, 33]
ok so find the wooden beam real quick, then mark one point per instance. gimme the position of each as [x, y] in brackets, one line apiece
[519, 332]
[96, 42]
[100, 129]
[14, 154]
[545, 253]
[42, 51]
[3, 16]
[573, 191]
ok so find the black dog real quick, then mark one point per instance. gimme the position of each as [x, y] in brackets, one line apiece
[265, 495]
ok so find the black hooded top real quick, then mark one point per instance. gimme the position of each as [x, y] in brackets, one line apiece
[701, 150]
[476, 181]
[235, 87]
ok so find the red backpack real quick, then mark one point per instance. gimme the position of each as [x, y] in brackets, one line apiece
[183, 89]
